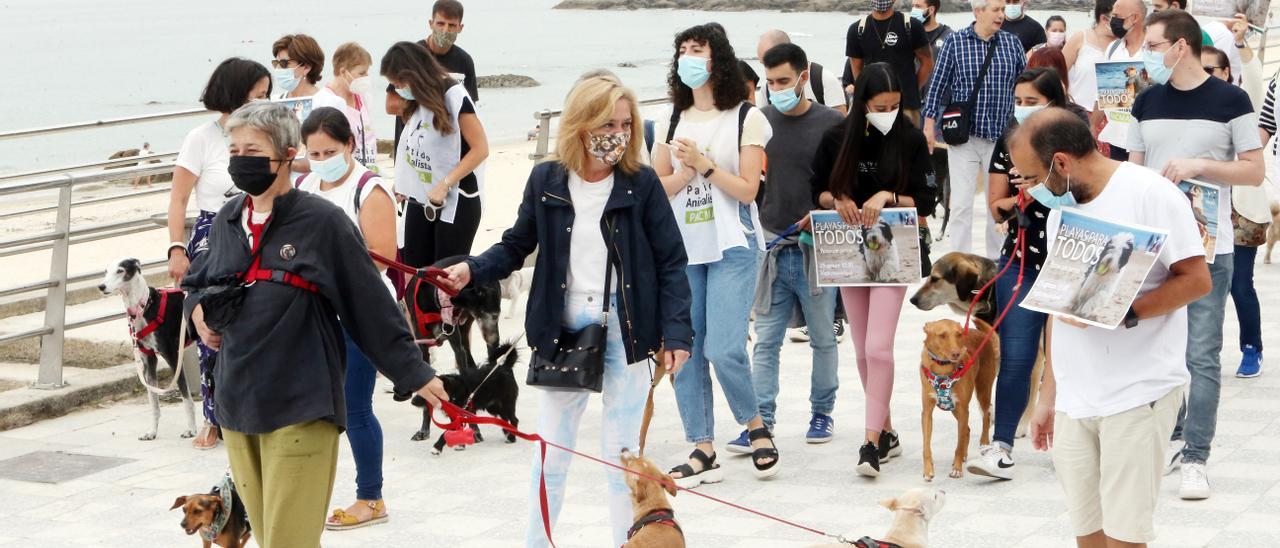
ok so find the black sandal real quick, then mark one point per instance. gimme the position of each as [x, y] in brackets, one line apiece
[689, 478]
[769, 469]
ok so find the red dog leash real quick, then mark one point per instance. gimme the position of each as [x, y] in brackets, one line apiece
[431, 274]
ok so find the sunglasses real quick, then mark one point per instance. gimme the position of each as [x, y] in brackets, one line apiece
[281, 63]
[1209, 69]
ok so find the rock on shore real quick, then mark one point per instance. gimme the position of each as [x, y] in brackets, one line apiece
[855, 6]
[506, 81]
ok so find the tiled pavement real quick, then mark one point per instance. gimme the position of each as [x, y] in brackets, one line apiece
[477, 498]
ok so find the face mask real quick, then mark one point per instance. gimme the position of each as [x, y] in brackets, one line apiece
[609, 148]
[332, 169]
[1012, 11]
[693, 71]
[251, 174]
[1057, 38]
[881, 5]
[784, 100]
[405, 93]
[1047, 198]
[919, 15]
[1022, 113]
[1154, 63]
[1117, 27]
[883, 121]
[444, 40]
[284, 79]
[361, 85]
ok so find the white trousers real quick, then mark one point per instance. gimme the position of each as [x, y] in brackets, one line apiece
[968, 164]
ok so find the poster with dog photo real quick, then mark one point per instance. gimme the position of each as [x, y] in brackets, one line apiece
[1119, 83]
[301, 106]
[1094, 269]
[886, 253]
[1204, 207]
[1254, 10]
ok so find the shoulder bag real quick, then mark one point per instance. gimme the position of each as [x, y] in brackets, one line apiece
[959, 116]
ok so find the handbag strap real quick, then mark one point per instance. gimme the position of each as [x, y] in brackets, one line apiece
[608, 274]
[982, 74]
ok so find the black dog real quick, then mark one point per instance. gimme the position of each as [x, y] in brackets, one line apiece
[494, 387]
[477, 302]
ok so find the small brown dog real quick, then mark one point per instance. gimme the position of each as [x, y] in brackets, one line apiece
[911, 514]
[655, 525]
[946, 349]
[217, 522]
[1273, 232]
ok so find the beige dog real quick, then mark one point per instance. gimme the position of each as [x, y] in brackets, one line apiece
[946, 349]
[1273, 231]
[911, 514]
[655, 525]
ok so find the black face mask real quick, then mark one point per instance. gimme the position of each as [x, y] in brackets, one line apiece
[251, 174]
[1117, 27]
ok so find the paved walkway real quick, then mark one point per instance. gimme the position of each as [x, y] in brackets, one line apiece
[477, 498]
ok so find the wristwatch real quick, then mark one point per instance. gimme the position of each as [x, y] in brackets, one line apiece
[707, 174]
[1130, 319]
[1241, 45]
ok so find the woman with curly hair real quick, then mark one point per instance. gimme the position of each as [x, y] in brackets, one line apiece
[711, 141]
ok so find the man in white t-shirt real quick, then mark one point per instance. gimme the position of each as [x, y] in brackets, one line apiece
[1116, 393]
[832, 94]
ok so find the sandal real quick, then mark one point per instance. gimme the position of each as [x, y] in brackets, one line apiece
[341, 520]
[768, 469]
[207, 438]
[709, 472]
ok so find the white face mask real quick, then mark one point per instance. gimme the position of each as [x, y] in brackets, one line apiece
[361, 85]
[883, 121]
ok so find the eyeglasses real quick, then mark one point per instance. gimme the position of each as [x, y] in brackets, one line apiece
[281, 63]
[1149, 47]
[1210, 69]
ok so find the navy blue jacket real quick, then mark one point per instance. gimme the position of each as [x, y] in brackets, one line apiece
[653, 297]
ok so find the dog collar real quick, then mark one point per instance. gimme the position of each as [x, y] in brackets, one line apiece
[868, 542]
[663, 516]
[220, 519]
[938, 360]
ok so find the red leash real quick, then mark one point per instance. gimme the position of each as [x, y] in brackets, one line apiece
[431, 274]
[460, 417]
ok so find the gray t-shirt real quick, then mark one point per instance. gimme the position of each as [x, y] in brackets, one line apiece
[787, 195]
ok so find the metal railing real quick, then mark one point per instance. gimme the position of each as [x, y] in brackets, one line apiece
[544, 117]
[77, 126]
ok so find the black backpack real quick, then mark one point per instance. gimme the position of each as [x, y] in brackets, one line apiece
[743, 109]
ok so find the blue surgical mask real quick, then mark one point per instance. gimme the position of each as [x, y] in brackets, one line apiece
[784, 100]
[918, 14]
[405, 93]
[693, 71]
[1154, 63]
[1012, 11]
[285, 79]
[1021, 113]
[332, 169]
[1047, 198]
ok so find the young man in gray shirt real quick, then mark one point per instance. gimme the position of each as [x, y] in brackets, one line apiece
[798, 126]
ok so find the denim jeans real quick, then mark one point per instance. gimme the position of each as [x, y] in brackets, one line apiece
[1245, 297]
[560, 412]
[363, 430]
[1019, 346]
[1198, 418]
[722, 294]
[789, 288]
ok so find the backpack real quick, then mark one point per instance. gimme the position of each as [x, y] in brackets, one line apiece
[906, 22]
[1113, 47]
[743, 109]
[815, 83]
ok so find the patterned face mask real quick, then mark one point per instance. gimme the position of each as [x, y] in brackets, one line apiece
[610, 147]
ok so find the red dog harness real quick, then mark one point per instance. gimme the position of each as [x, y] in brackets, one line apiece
[258, 274]
[152, 325]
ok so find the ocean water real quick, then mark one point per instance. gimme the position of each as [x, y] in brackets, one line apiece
[69, 61]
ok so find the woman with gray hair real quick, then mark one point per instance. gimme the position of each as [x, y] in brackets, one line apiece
[282, 266]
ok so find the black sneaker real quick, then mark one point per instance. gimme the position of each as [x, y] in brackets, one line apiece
[889, 446]
[869, 460]
[839, 330]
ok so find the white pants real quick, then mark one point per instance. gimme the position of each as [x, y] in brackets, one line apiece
[626, 386]
[968, 164]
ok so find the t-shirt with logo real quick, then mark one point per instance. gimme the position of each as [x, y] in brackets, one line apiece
[890, 41]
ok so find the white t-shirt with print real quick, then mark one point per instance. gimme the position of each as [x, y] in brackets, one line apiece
[1102, 372]
[205, 154]
[344, 196]
[587, 251]
[426, 156]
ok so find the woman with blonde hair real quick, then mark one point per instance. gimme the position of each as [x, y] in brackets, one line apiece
[595, 207]
[348, 92]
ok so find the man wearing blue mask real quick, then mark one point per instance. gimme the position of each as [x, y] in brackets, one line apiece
[887, 36]
[1195, 126]
[1109, 398]
[820, 85]
[798, 128]
[1029, 31]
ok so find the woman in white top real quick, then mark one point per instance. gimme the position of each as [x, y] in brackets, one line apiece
[298, 64]
[366, 198]
[716, 137]
[348, 92]
[441, 148]
[202, 167]
[1085, 49]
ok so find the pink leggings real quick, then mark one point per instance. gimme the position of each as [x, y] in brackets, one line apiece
[873, 318]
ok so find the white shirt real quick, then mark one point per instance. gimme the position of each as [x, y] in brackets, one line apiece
[587, 251]
[344, 196]
[1102, 372]
[426, 156]
[204, 153]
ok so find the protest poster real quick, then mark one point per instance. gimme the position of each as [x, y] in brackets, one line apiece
[1204, 207]
[1119, 82]
[1254, 10]
[884, 254]
[301, 106]
[1094, 269]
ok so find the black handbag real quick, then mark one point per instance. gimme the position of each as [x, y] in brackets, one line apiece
[221, 302]
[957, 118]
[578, 362]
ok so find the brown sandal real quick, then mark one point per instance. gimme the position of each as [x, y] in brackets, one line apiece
[207, 438]
[341, 520]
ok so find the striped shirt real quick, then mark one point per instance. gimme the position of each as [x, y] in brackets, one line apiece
[958, 63]
[1267, 116]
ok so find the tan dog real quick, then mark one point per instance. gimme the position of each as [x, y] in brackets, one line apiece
[1273, 231]
[201, 511]
[946, 350]
[655, 525]
[911, 514]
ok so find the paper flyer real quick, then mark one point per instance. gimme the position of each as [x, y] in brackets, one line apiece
[1254, 10]
[884, 254]
[1094, 269]
[301, 106]
[1204, 206]
[1119, 83]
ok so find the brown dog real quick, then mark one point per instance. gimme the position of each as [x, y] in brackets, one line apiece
[1273, 231]
[946, 349]
[655, 525]
[201, 511]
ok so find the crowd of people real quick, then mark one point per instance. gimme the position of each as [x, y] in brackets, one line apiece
[658, 239]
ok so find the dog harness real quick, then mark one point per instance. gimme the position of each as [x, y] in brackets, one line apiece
[152, 325]
[662, 516]
[942, 384]
[258, 274]
[425, 318]
[868, 542]
[220, 519]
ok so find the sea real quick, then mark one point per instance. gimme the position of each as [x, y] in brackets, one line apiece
[68, 61]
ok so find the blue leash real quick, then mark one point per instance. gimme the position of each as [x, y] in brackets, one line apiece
[789, 231]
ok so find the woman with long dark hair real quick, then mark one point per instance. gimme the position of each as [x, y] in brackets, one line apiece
[441, 148]
[876, 159]
[709, 155]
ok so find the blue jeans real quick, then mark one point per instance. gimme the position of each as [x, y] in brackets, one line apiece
[1198, 418]
[722, 294]
[1246, 298]
[789, 288]
[1019, 346]
[363, 430]
[626, 387]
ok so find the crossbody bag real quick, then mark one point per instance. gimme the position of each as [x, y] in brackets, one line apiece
[958, 117]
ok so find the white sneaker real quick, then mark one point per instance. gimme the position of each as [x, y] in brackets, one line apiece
[1173, 457]
[1195, 482]
[992, 462]
[798, 334]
